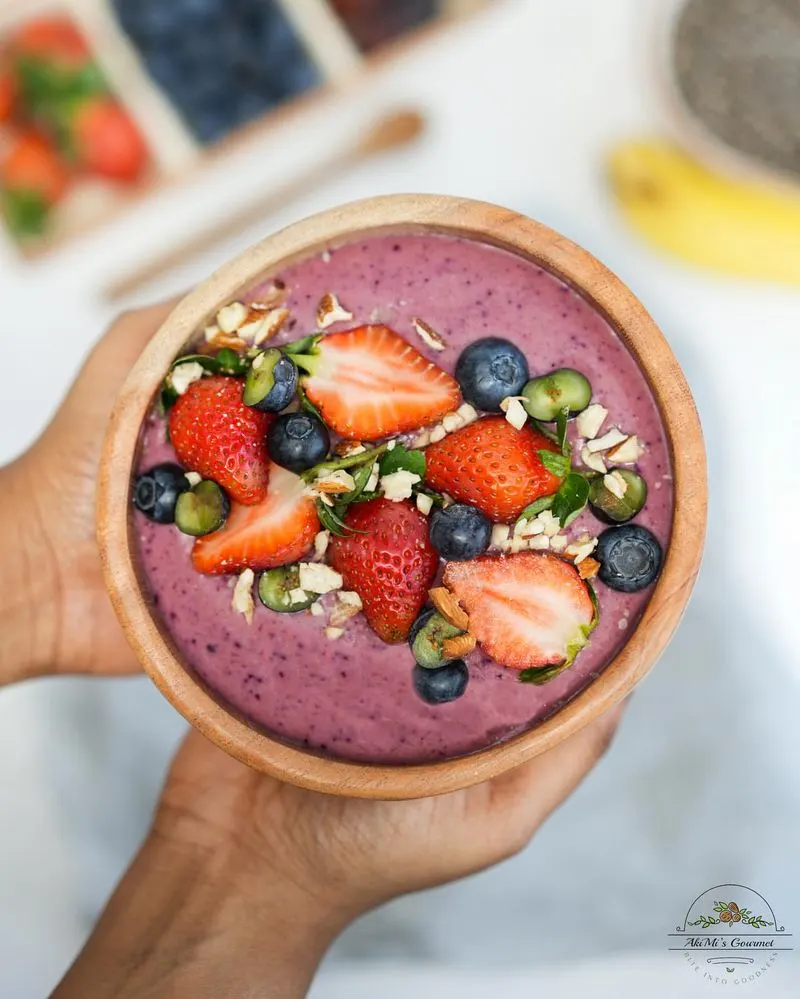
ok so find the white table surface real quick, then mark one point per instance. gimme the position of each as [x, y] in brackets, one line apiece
[702, 786]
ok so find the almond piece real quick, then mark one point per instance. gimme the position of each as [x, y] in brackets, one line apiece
[182, 375]
[263, 326]
[346, 448]
[451, 422]
[242, 600]
[607, 441]
[334, 633]
[558, 542]
[450, 609]
[317, 609]
[593, 461]
[628, 452]
[194, 478]
[458, 646]
[500, 535]
[590, 421]
[615, 484]
[330, 310]
[231, 317]
[467, 413]
[424, 504]
[321, 542]
[271, 297]
[588, 568]
[515, 412]
[230, 340]
[438, 434]
[428, 335]
[422, 439]
[540, 543]
[212, 332]
[315, 577]
[335, 483]
[399, 485]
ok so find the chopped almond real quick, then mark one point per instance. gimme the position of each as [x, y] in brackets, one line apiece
[593, 461]
[588, 568]
[232, 317]
[242, 600]
[458, 646]
[346, 448]
[615, 484]
[330, 310]
[428, 335]
[438, 434]
[628, 452]
[451, 422]
[450, 609]
[515, 412]
[590, 421]
[607, 441]
[335, 483]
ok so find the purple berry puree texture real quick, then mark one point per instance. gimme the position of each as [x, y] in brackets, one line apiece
[353, 697]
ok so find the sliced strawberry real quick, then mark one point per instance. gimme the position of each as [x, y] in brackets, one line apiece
[215, 434]
[390, 566]
[527, 611]
[491, 465]
[369, 382]
[53, 40]
[279, 531]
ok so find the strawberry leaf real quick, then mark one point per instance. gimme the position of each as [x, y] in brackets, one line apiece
[400, 458]
[558, 464]
[544, 674]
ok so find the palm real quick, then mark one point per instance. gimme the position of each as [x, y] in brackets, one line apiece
[369, 850]
[68, 455]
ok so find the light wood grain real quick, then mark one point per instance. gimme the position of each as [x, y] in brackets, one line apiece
[397, 214]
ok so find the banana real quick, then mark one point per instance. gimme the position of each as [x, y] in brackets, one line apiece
[727, 225]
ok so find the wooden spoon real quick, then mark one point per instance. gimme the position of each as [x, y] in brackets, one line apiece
[393, 130]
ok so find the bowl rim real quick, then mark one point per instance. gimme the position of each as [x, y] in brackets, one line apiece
[455, 216]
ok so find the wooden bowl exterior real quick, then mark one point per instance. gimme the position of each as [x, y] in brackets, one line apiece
[402, 213]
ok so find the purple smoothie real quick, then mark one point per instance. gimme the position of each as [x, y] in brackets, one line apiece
[353, 698]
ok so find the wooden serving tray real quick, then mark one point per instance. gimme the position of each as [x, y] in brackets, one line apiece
[175, 151]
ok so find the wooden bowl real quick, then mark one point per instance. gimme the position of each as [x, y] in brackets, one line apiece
[396, 214]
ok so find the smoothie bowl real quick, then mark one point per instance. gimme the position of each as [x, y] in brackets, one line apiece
[402, 497]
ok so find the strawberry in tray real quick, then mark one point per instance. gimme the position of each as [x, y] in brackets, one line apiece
[492, 466]
[34, 179]
[369, 382]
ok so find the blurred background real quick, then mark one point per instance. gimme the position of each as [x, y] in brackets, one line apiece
[146, 136]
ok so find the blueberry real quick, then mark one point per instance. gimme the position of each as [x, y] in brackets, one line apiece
[460, 532]
[156, 492]
[298, 441]
[489, 370]
[629, 556]
[271, 382]
[439, 686]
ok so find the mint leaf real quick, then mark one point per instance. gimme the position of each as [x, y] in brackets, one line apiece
[558, 464]
[360, 478]
[535, 508]
[571, 498]
[401, 458]
[562, 421]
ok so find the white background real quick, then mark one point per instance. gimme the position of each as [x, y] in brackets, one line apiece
[703, 784]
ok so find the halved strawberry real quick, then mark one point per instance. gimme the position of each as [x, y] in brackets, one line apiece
[369, 382]
[491, 465]
[215, 434]
[278, 531]
[390, 566]
[529, 610]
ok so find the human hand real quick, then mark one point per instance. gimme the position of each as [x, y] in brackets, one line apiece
[244, 882]
[55, 614]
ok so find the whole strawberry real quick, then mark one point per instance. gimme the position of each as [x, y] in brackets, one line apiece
[390, 566]
[215, 434]
[493, 466]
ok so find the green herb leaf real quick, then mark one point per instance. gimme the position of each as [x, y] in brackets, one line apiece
[230, 363]
[535, 508]
[331, 521]
[360, 478]
[400, 458]
[562, 421]
[546, 431]
[542, 675]
[570, 500]
[558, 464]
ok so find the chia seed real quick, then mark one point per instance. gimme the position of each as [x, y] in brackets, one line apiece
[737, 65]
